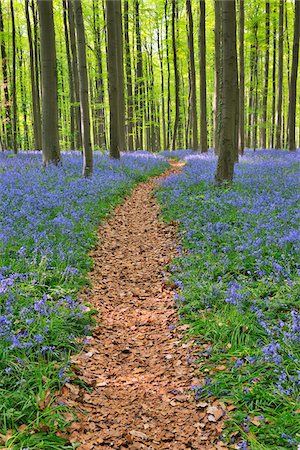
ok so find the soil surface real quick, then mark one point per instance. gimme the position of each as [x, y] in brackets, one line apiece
[137, 365]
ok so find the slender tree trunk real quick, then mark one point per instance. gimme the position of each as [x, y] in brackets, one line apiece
[83, 91]
[23, 101]
[37, 126]
[50, 141]
[293, 80]
[100, 133]
[8, 133]
[139, 84]
[168, 77]
[129, 87]
[37, 67]
[266, 81]
[278, 143]
[230, 85]
[115, 72]
[218, 84]
[255, 89]
[272, 137]
[78, 136]
[192, 78]
[176, 76]
[162, 88]
[70, 73]
[202, 64]
[14, 89]
[242, 80]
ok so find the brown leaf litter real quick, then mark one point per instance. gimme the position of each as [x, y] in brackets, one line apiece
[137, 367]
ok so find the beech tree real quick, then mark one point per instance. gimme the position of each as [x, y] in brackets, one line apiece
[293, 80]
[83, 91]
[194, 118]
[50, 140]
[115, 77]
[228, 126]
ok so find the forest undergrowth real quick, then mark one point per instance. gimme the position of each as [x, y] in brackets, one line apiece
[49, 220]
[238, 288]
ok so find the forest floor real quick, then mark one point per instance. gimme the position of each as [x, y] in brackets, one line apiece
[136, 363]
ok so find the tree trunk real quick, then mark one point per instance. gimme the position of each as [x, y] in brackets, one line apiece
[202, 64]
[83, 91]
[272, 136]
[176, 75]
[139, 84]
[242, 80]
[100, 131]
[266, 82]
[14, 91]
[128, 80]
[227, 153]
[8, 134]
[23, 101]
[115, 72]
[70, 73]
[169, 131]
[218, 84]
[78, 135]
[293, 80]
[50, 140]
[192, 78]
[37, 126]
[278, 143]
[162, 89]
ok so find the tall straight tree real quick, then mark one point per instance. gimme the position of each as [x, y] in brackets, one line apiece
[35, 94]
[14, 87]
[83, 91]
[139, 82]
[128, 79]
[228, 126]
[293, 80]
[242, 79]
[278, 141]
[50, 140]
[8, 140]
[194, 119]
[202, 64]
[218, 77]
[266, 82]
[176, 75]
[115, 74]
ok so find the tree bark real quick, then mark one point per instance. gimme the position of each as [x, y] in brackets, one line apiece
[37, 126]
[139, 83]
[115, 72]
[228, 141]
[83, 91]
[128, 80]
[278, 143]
[14, 89]
[217, 83]
[176, 76]
[78, 135]
[70, 73]
[242, 79]
[202, 61]
[162, 89]
[50, 140]
[8, 134]
[100, 128]
[293, 80]
[266, 81]
[192, 77]
[168, 78]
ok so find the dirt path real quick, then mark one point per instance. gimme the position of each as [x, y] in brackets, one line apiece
[136, 364]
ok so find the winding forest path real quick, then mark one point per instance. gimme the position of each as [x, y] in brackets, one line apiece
[136, 364]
